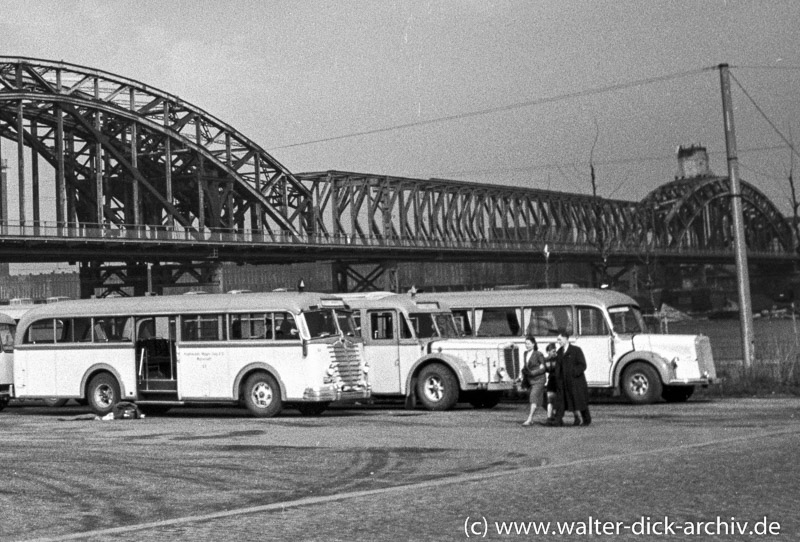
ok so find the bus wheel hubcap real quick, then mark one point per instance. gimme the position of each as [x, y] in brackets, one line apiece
[262, 395]
[434, 389]
[104, 395]
[639, 384]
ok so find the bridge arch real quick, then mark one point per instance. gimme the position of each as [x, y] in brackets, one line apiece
[695, 214]
[127, 154]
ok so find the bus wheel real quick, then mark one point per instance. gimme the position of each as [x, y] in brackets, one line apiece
[641, 384]
[262, 396]
[102, 393]
[437, 387]
[312, 409]
[54, 402]
[484, 399]
[677, 394]
[4, 402]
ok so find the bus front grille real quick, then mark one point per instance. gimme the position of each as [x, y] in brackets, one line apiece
[347, 359]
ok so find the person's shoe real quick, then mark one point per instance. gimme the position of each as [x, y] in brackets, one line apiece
[576, 422]
[527, 422]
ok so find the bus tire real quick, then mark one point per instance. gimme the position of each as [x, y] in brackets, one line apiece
[4, 402]
[102, 393]
[641, 383]
[437, 387]
[677, 394]
[312, 409]
[262, 395]
[484, 400]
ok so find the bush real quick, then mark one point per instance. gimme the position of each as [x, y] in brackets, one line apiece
[776, 370]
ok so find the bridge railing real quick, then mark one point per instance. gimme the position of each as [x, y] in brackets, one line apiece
[558, 242]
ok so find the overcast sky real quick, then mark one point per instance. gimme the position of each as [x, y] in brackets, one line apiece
[289, 74]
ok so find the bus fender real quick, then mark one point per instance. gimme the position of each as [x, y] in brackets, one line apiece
[455, 364]
[104, 367]
[257, 366]
[661, 364]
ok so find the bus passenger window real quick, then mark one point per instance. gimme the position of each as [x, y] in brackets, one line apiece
[40, 332]
[547, 321]
[81, 330]
[201, 327]
[249, 326]
[463, 326]
[499, 323]
[286, 329]
[113, 329]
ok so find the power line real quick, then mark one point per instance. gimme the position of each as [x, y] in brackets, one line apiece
[765, 67]
[621, 161]
[763, 114]
[530, 103]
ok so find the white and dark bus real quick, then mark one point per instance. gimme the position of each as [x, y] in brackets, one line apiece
[262, 350]
[621, 354]
[414, 351]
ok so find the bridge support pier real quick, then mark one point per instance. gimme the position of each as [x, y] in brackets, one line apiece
[382, 276]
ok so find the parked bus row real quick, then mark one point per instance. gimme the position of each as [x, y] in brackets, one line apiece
[304, 350]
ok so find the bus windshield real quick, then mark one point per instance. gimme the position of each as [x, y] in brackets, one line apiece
[446, 324]
[627, 319]
[429, 325]
[323, 323]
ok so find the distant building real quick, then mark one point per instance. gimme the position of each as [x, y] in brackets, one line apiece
[693, 162]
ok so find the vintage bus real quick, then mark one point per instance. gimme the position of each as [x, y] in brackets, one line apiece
[413, 351]
[608, 326]
[7, 329]
[262, 350]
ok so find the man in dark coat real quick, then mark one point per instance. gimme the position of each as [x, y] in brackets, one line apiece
[572, 392]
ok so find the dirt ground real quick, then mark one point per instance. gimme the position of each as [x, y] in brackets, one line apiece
[384, 473]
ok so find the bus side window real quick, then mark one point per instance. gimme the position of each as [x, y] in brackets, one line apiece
[113, 329]
[40, 332]
[591, 322]
[286, 329]
[548, 321]
[81, 330]
[462, 322]
[382, 325]
[405, 329]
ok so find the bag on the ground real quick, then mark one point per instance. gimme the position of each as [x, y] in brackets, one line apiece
[126, 411]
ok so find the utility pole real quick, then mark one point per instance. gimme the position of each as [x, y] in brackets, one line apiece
[740, 246]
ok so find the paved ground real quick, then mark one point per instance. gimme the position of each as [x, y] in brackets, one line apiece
[383, 473]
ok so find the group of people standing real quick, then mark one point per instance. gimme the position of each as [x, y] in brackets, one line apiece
[556, 380]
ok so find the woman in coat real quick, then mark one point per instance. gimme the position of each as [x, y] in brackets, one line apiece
[533, 370]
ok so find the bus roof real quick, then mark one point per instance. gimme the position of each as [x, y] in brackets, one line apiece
[521, 298]
[402, 301]
[175, 304]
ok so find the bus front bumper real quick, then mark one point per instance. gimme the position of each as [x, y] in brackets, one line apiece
[331, 393]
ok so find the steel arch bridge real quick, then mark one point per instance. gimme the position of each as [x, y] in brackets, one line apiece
[111, 169]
